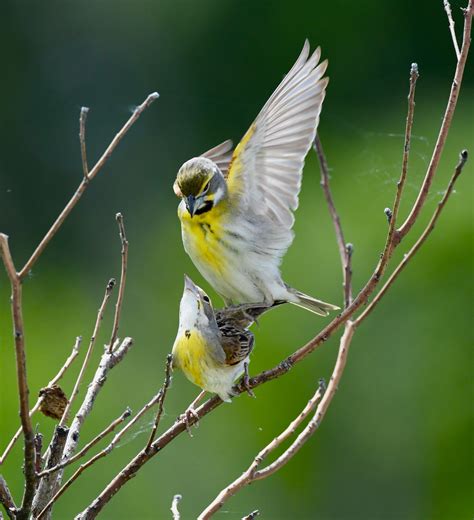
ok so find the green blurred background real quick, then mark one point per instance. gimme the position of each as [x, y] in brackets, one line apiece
[397, 440]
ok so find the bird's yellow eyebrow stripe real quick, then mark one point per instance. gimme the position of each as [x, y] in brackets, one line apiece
[208, 178]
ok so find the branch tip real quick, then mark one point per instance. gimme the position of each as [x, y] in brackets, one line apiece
[322, 385]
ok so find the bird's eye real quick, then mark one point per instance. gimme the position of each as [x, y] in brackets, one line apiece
[206, 299]
[206, 186]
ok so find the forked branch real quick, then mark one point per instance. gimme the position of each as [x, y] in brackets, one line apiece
[361, 299]
[85, 181]
[253, 473]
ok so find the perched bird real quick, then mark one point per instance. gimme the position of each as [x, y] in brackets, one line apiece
[213, 348]
[237, 208]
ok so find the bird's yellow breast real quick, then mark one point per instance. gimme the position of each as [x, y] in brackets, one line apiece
[191, 355]
[204, 236]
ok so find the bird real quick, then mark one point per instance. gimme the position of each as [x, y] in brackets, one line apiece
[212, 348]
[237, 206]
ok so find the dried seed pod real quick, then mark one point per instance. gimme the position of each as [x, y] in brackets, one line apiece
[53, 402]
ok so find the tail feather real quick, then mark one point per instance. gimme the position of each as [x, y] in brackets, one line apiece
[309, 303]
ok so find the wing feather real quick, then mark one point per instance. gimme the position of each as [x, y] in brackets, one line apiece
[221, 155]
[266, 167]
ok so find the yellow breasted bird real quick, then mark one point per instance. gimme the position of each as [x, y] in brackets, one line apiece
[237, 208]
[213, 348]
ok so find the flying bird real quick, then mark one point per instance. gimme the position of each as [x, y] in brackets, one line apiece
[237, 206]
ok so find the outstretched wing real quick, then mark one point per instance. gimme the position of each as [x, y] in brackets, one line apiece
[236, 343]
[266, 168]
[221, 155]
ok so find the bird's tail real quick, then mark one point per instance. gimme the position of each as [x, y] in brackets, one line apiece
[309, 303]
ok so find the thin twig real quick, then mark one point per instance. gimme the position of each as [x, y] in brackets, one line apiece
[429, 228]
[56, 378]
[452, 30]
[85, 181]
[161, 400]
[110, 428]
[392, 237]
[174, 507]
[108, 290]
[445, 125]
[23, 391]
[108, 449]
[251, 515]
[249, 474]
[82, 140]
[66, 485]
[123, 277]
[345, 250]
[321, 410]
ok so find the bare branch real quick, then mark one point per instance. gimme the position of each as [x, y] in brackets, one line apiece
[6, 499]
[57, 377]
[392, 237]
[123, 277]
[66, 485]
[252, 515]
[100, 315]
[82, 140]
[447, 8]
[102, 453]
[38, 451]
[107, 362]
[248, 475]
[83, 185]
[110, 428]
[47, 484]
[429, 228]
[23, 391]
[174, 507]
[161, 399]
[345, 251]
[445, 125]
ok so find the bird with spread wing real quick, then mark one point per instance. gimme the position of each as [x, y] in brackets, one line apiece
[237, 207]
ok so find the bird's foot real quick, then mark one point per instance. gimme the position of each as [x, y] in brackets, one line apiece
[245, 380]
[190, 418]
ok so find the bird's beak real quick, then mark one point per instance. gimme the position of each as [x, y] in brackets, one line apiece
[190, 285]
[191, 204]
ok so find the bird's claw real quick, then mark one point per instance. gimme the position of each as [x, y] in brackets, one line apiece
[245, 381]
[189, 417]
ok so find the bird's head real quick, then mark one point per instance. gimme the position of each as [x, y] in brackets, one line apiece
[200, 184]
[195, 310]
